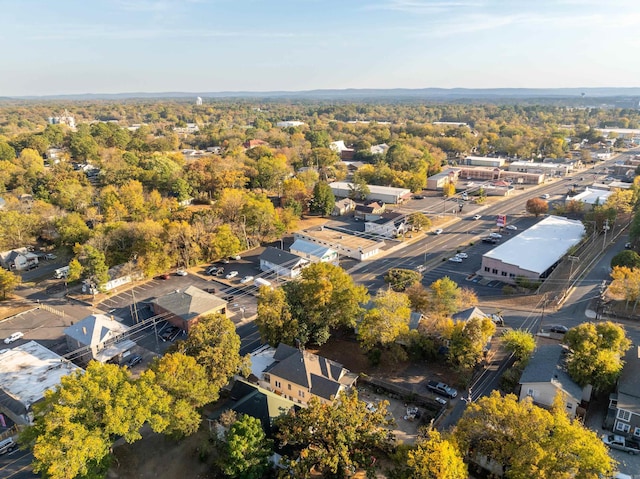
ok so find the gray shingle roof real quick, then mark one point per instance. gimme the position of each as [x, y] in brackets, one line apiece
[95, 329]
[321, 376]
[547, 366]
[629, 382]
[468, 314]
[281, 258]
[190, 303]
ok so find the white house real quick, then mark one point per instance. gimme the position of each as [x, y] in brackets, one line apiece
[386, 194]
[283, 263]
[103, 337]
[389, 225]
[18, 259]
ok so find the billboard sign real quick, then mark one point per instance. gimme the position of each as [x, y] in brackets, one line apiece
[501, 221]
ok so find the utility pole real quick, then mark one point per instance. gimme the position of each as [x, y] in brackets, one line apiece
[606, 228]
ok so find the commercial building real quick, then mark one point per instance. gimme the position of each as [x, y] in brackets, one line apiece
[314, 253]
[535, 252]
[484, 174]
[345, 244]
[591, 196]
[100, 336]
[26, 373]
[386, 194]
[484, 161]
[282, 263]
[549, 169]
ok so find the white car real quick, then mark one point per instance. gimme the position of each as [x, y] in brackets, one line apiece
[455, 259]
[235, 257]
[495, 235]
[421, 268]
[13, 337]
[246, 279]
[512, 227]
[462, 255]
[231, 274]
[477, 217]
[181, 272]
[438, 231]
[546, 196]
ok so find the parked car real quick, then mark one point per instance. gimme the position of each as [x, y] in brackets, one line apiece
[181, 272]
[558, 328]
[546, 196]
[14, 337]
[236, 257]
[512, 227]
[246, 279]
[169, 332]
[163, 276]
[418, 197]
[133, 360]
[495, 235]
[421, 268]
[438, 231]
[7, 445]
[477, 217]
[220, 271]
[491, 240]
[442, 401]
[628, 246]
[50, 256]
[211, 270]
[231, 274]
[462, 255]
[442, 388]
[455, 259]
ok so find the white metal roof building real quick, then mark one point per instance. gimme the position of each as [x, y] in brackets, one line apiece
[535, 252]
[386, 194]
[314, 252]
[591, 196]
[26, 372]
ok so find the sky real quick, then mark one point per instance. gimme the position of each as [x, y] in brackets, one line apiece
[52, 47]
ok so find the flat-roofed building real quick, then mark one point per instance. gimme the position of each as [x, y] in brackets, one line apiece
[386, 194]
[26, 373]
[535, 252]
[591, 196]
[345, 244]
[549, 169]
[484, 161]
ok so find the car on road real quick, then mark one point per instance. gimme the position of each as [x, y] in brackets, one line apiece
[455, 259]
[512, 227]
[495, 235]
[133, 360]
[462, 255]
[181, 272]
[477, 217]
[246, 279]
[558, 328]
[231, 274]
[438, 231]
[8, 445]
[628, 246]
[14, 337]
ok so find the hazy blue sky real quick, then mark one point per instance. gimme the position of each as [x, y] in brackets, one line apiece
[110, 46]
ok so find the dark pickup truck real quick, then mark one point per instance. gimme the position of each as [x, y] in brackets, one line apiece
[442, 388]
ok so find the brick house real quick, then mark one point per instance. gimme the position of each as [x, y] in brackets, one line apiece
[184, 308]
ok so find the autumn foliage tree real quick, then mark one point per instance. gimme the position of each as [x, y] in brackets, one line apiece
[386, 321]
[537, 206]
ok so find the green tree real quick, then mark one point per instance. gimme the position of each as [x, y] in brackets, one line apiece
[436, 458]
[274, 318]
[17, 228]
[627, 258]
[75, 271]
[322, 298]
[400, 279]
[448, 298]
[271, 172]
[520, 343]
[215, 345]
[76, 424]
[336, 439]
[626, 283]
[187, 384]
[529, 441]
[247, 450]
[94, 265]
[225, 243]
[386, 321]
[469, 340]
[7, 152]
[537, 206]
[419, 221]
[72, 229]
[8, 282]
[323, 200]
[597, 352]
[359, 190]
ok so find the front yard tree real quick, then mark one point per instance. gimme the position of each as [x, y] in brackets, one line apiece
[322, 298]
[8, 282]
[537, 206]
[520, 343]
[469, 340]
[626, 284]
[247, 450]
[528, 441]
[419, 221]
[386, 321]
[215, 345]
[187, 384]
[274, 318]
[436, 458]
[448, 298]
[323, 200]
[597, 352]
[335, 439]
[76, 424]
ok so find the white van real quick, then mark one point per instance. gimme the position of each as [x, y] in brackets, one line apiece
[7, 445]
[261, 282]
[61, 272]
